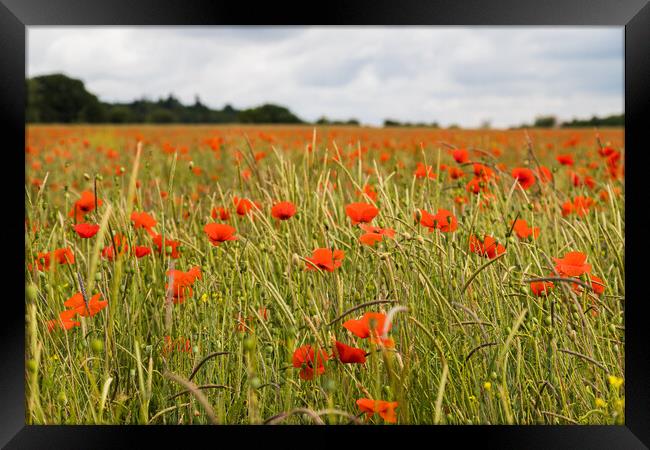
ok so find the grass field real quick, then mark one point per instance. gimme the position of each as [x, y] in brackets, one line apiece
[418, 308]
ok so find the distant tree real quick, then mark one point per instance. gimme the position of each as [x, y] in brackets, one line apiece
[391, 123]
[120, 114]
[545, 122]
[161, 115]
[58, 98]
[268, 113]
[616, 120]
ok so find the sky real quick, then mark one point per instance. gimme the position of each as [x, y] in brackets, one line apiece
[451, 75]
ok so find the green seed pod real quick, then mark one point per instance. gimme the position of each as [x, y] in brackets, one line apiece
[268, 349]
[493, 375]
[98, 177]
[249, 344]
[386, 390]
[62, 397]
[255, 383]
[547, 320]
[98, 276]
[132, 373]
[97, 345]
[31, 365]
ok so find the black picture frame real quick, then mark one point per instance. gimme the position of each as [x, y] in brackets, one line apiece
[634, 15]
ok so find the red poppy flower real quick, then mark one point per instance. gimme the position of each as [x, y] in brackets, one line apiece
[361, 212]
[182, 283]
[476, 185]
[310, 363]
[483, 171]
[219, 232]
[370, 192]
[423, 171]
[143, 220]
[220, 212]
[350, 355]
[77, 303]
[84, 205]
[524, 176]
[460, 155]
[64, 321]
[170, 245]
[86, 230]
[141, 251]
[325, 259]
[445, 221]
[565, 160]
[597, 284]
[489, 247]
[541, 287]
[64, 256]
[373, 235]
[385, 409]
[370, 325]
[572, 264]
[523, 231]
[119, 242]
[370, 238]
[283, 210]
[244, 206]
[455, 173]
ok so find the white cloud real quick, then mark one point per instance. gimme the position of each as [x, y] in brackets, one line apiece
[462, 75]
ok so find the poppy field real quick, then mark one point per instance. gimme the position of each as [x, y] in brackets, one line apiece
[328, 275]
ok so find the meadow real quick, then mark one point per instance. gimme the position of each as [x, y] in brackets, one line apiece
[329, 275]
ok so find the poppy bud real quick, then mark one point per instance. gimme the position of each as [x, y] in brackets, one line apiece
[132, 373]
[97, 345]
[98, 276]
[62, 397]
[122, 169]
[191, 165]
[295, 259]
[249, 344]
[99, 177]
[86, 176]
[255, 383]
[418, 215]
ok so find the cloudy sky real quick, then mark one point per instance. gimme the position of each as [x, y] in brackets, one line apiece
[461, 75]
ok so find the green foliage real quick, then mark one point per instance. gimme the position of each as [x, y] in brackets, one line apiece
[60, 99]
[268, 114]
[396, 123]
[57, 98]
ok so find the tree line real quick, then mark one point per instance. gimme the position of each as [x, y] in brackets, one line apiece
[57, 98]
